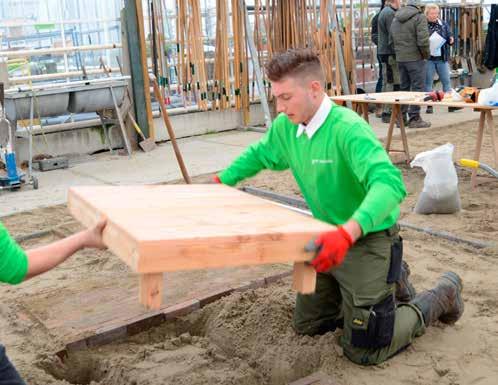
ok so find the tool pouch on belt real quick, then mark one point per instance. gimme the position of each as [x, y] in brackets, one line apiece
[394, 273]
[373, 327]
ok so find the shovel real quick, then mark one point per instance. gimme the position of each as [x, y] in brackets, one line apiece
[146, 144]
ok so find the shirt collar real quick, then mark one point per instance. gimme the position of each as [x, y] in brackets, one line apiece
[317, 120]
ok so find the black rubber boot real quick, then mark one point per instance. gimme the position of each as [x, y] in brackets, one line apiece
[386, 117]
[405, 292]
[444, 302]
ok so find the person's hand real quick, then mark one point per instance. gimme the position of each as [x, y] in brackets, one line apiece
[333, 247]
[93, 236]
[216, 179]
[451, 40]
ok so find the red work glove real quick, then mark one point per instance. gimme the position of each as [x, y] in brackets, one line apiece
[216, 179]
[333, 247]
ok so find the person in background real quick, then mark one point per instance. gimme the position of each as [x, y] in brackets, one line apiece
[386, 53]
[375, 40]
[17, 265]
[410, 35]
[438, 61]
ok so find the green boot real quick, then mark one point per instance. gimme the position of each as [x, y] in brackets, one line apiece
[444, 302]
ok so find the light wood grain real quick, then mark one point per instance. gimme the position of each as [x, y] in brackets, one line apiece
[304, 278]
[399, 97]
[168, 228]
[151, 290]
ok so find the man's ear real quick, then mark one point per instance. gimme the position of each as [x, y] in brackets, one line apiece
[316, 87]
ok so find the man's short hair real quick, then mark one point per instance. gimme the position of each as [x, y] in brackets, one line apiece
[295, 63]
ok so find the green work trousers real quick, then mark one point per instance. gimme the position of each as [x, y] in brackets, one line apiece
[359, 297]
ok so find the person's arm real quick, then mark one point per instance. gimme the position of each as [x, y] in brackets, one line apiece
[422, 31]
[382, 181]
[385, 190]
[388, 22]
[265, 154]
[45, 258]
[449, 35]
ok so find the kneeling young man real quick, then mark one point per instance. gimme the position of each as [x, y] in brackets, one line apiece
[348, 180]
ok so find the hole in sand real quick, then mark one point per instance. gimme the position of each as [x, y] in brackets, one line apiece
[245, 339]
[82, 368]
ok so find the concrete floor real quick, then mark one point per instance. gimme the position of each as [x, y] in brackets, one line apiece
[202, 154]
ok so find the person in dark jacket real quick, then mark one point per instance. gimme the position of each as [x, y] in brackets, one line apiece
[410, 35]
[490, 51]
[438, 61]
[375, 40]
[385, 51]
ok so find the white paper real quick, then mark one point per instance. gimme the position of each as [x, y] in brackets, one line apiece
[436, 41]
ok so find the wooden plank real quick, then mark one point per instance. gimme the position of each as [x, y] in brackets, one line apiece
[95, 305]
[156, 229]
[405, 98]
[304, 278]
[151, 290]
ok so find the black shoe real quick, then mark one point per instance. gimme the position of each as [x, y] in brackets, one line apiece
[430, 110]
[417, 122]
[444, 302]
[386, 118]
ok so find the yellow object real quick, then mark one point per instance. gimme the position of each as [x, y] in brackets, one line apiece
[469, 163]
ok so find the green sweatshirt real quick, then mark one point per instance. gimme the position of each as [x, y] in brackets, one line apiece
[13, 260]
[343, 171]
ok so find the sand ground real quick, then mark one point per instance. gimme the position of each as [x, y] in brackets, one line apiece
[247, 338]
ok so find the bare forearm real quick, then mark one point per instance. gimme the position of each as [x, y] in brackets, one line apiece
[353, 228]
[47, 257]
[44, 258]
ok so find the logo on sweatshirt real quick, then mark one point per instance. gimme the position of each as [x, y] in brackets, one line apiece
[321, 161]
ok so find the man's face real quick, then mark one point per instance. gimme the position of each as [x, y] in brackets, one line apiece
[295, 99]
[395, 4]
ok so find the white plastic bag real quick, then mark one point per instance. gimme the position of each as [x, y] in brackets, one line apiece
[489, 96]
[440, 193]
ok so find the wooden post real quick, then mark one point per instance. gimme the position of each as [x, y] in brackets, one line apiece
[151, 290]
[477, 152]
[304, 278]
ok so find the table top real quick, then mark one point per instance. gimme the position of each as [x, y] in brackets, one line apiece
[407, 98]
[181, 227]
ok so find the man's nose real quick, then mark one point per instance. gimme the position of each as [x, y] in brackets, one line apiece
[280, 107]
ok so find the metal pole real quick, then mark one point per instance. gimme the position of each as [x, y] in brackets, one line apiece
[342, 70]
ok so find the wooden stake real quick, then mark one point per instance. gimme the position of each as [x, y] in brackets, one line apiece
[171, 133]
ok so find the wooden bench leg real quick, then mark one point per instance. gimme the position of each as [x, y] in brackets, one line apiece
[364, 109]
[394, 116]
[304, 278]
[477, 152]
[151, 290]
[494, 139]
